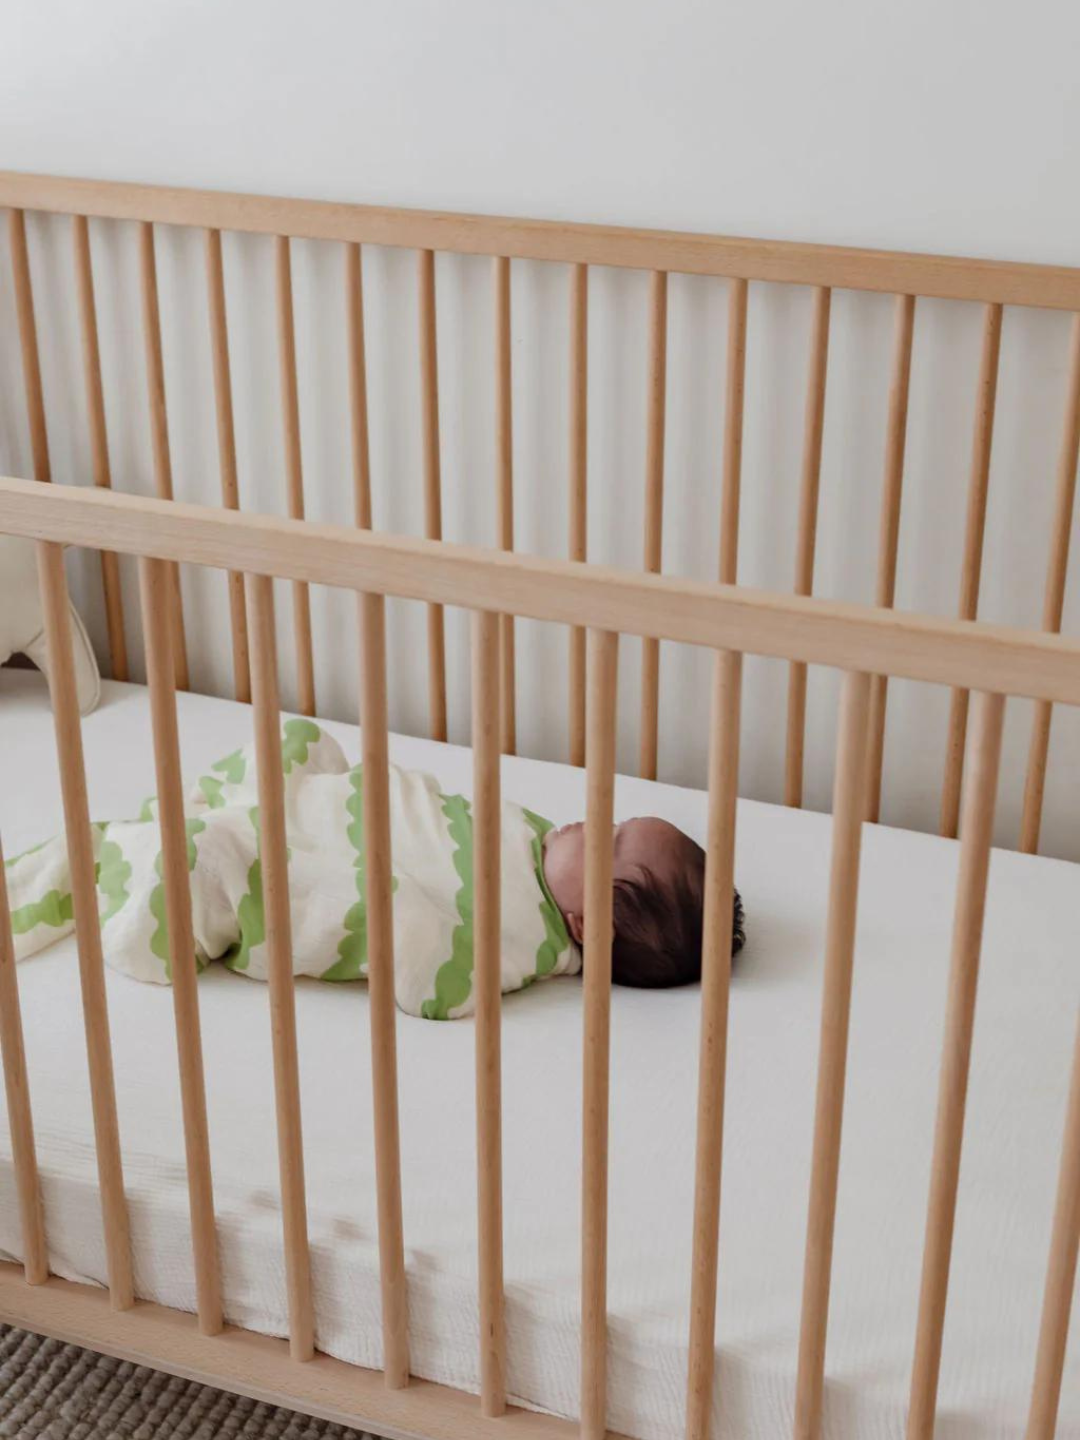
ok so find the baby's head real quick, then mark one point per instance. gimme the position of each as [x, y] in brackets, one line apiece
[659, 895]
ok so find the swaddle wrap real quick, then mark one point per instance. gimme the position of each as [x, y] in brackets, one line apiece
[432, 864]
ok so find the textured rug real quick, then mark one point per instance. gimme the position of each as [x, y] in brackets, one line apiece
[50, 1391]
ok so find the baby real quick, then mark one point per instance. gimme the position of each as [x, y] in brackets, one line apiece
[658, 871]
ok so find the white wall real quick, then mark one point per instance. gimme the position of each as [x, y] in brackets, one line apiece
[923, 126]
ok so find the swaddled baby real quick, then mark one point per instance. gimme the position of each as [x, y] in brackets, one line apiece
[659, 885]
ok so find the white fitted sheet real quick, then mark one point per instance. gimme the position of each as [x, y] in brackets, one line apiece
[1026, 1014]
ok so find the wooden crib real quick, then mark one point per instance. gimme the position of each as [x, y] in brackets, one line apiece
[600, 606]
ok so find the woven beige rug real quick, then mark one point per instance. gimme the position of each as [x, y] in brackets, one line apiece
[50, 1391]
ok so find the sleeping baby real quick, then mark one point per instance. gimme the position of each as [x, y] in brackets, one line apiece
[658, 885]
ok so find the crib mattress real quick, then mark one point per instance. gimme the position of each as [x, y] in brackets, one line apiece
[1027, 1006]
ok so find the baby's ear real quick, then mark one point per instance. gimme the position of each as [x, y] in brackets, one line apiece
[576, 926]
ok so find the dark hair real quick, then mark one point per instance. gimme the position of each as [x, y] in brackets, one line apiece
[657, 928]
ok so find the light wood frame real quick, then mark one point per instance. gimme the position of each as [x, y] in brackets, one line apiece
[870, 644]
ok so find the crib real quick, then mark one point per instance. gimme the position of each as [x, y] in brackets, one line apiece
[603, 610]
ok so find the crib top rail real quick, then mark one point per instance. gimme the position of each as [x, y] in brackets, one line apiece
[1001, 659]
[735, 257]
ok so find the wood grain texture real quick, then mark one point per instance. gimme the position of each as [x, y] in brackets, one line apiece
[182, 966]
[734, 257]
[504, 459]
[1057, 570]
[99, 440]
[849, 808]
[971, 570]
[734, 397]
[294, 469]
[260, 1366]
[597, 919]
[381, 1001]
[722, 617]
[487, 985]
[806, 540]
[31, 362]
[889, 539]
[17, 1092]
[578, 497]
[273, 859]
[226, 436]
[81, 865]
[977, 826]
[429, 408]
[656, 409]
[712, 1060]
[1060, 1271]
[159, 429]
[358, 401]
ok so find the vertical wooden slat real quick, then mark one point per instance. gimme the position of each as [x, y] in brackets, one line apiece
[656, 402]
[31, 362]
[429, 401]
[1060, 1272]
[487, 990]
[599, 852]
[1054, 599]
[159, 429]
[978, 487]
[80, 846]
[294, 472]
[99, 442]
[226, 434]
[810, 486]
[504, 448]
[154, 590]
[380, 975]
[889, 539]
[977, 824]
[17, 1091]
[358, 404]
[578, 500]
[712, 1062]
[273, 860]
[735, 390]
[849, 807]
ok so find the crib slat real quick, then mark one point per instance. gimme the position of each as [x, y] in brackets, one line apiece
[80, 845]
[273, 860]
[17, 1091]
[849, 807]
[429, 400]
[806, 542]
[977, 824]
[294, 472]
[654, 511]
[889, 541]
[159, 429]
[99, 443]
[154, 590]
[1060, 1273]
[599, 812]
[486, 979]
[226, 434]
[579, 438]
[1054, 600]
[735, 390]
[978, 488]
[31, 362]
[504, 447]
[712, 1062]
[381, 1002]
[358, 404]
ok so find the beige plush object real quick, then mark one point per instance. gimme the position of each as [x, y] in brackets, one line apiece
[22, 624]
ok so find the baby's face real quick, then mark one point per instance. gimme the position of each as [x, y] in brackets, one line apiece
[646, 842]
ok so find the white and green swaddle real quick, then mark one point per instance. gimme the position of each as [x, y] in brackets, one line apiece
[432, 862]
